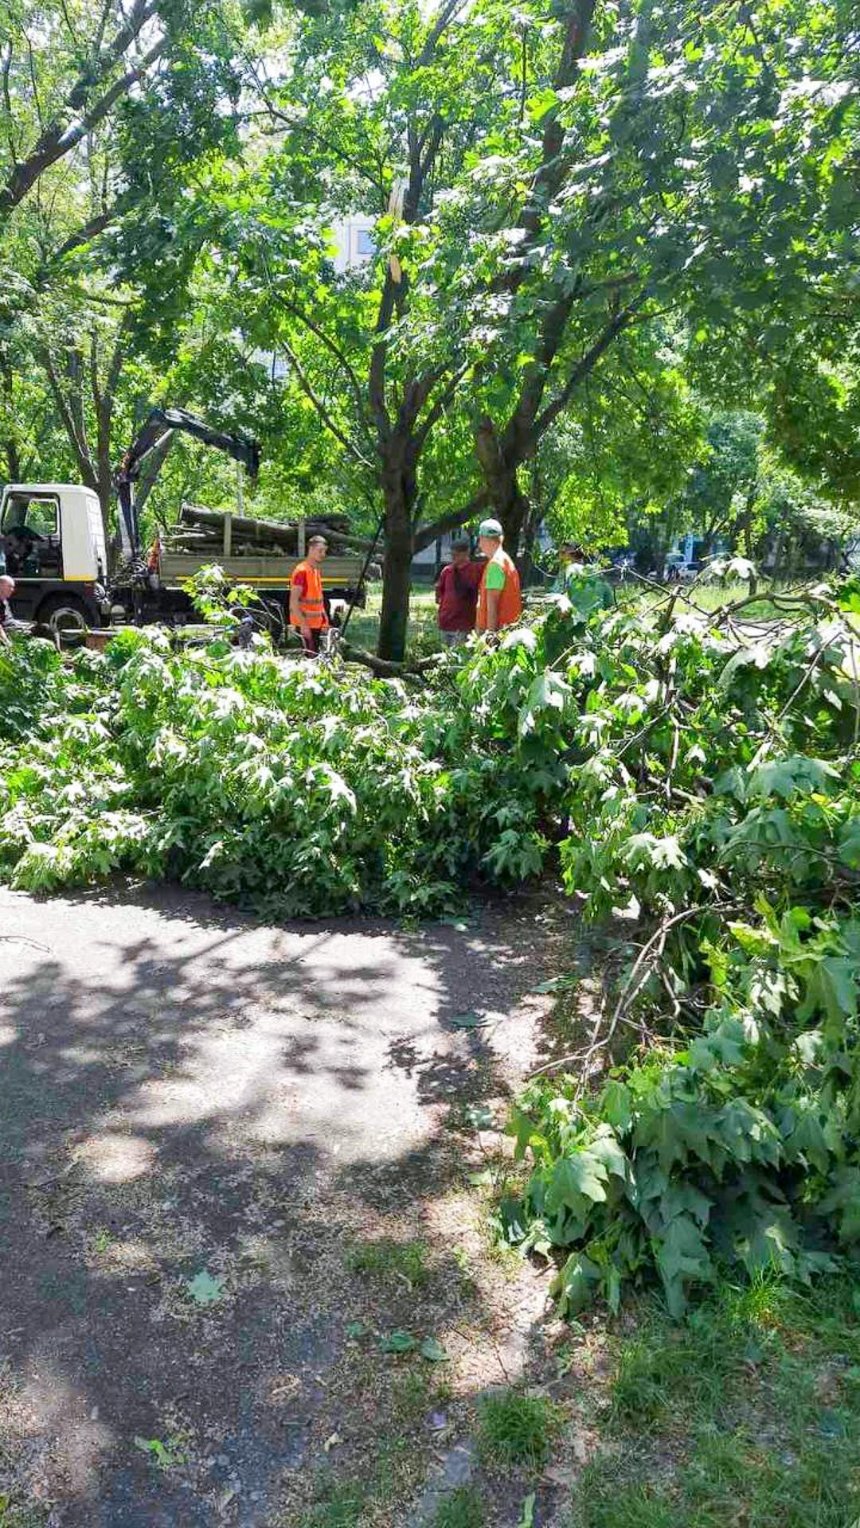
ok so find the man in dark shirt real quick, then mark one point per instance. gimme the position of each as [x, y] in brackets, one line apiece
[457, 593]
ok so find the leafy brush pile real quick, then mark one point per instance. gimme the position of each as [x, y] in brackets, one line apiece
[296, 788]
[714, 796]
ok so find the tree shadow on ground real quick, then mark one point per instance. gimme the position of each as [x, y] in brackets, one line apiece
[187, 1092]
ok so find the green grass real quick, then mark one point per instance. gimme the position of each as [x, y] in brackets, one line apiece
[516, 1429]
[748, 1414]
[12, 1516]
[389, 1259]
[394, 1463]
[364, 624]
[707, 596]
[462, 1509]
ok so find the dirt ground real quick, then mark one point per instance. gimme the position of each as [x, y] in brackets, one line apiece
[212, 1135]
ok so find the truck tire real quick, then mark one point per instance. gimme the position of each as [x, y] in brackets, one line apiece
[68, 616]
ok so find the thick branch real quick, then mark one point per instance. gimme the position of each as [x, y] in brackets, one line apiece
[7, 103]
[78, 446]
[58, 139]
[446, 13]
[425, 534]
[584, 367]
[379, 357]
[86, 233]
[386, 669]
[438, 408]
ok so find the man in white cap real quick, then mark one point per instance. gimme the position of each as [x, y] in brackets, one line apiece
[500, 602]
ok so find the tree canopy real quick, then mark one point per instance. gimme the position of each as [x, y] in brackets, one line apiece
[592, 226]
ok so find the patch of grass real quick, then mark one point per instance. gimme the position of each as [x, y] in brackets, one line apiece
[340, 1506]
[602, 1504]
[748, 1413]
[365, 1501]
[415, 1393]
[389, 1259]
[517, 1429]
[14, 1515]
[462, 1509]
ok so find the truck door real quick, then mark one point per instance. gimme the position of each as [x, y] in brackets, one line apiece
[32, 545]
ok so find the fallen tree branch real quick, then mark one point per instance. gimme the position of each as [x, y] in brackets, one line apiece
[384, 667]
[639, 975]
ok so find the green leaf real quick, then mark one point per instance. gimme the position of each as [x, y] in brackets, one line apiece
[433, 1351]
[831, 989]
[398, 1342]
[204, 1289]
[575, 1285]
[681, 1256]
[469, 1021]
[528, 1517]
[525, 1132]
[849, 843]
[577, 1181]
[556, 984]
[616, 1105]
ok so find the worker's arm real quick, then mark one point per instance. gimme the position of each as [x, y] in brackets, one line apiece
[4, 640]
[494, 583]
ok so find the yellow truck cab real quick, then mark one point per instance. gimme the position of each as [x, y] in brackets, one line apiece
[52, 543]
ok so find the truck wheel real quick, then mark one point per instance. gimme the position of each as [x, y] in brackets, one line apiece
[66, 615]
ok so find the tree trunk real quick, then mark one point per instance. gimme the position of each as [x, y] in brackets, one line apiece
[10, 444]
[398, 481]
[506, 500]
[397, 580]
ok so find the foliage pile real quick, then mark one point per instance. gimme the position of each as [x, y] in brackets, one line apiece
[294, 788]
[715, 792]
[700, 776]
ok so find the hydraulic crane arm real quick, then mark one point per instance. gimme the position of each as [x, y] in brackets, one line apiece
[160, 423]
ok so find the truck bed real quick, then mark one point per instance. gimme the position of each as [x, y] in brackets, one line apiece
[263, 571]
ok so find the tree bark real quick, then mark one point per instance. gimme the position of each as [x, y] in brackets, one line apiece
[505, 497]
[396, 585]
[10, 444]
[400, 493]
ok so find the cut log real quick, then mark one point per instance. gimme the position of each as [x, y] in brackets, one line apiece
[262, 531]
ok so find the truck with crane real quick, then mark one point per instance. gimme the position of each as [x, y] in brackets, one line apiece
[52, 542]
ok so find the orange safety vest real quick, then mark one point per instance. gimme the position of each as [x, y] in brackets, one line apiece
[510, 599]
[311, 603]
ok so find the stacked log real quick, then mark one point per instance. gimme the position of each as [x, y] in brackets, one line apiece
[201, 531]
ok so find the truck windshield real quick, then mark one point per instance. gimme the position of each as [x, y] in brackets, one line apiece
[22, 511]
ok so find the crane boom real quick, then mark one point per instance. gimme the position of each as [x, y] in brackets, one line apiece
[159, 423]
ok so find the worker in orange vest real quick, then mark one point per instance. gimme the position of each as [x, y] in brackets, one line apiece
[307, 606]
[500, 602]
